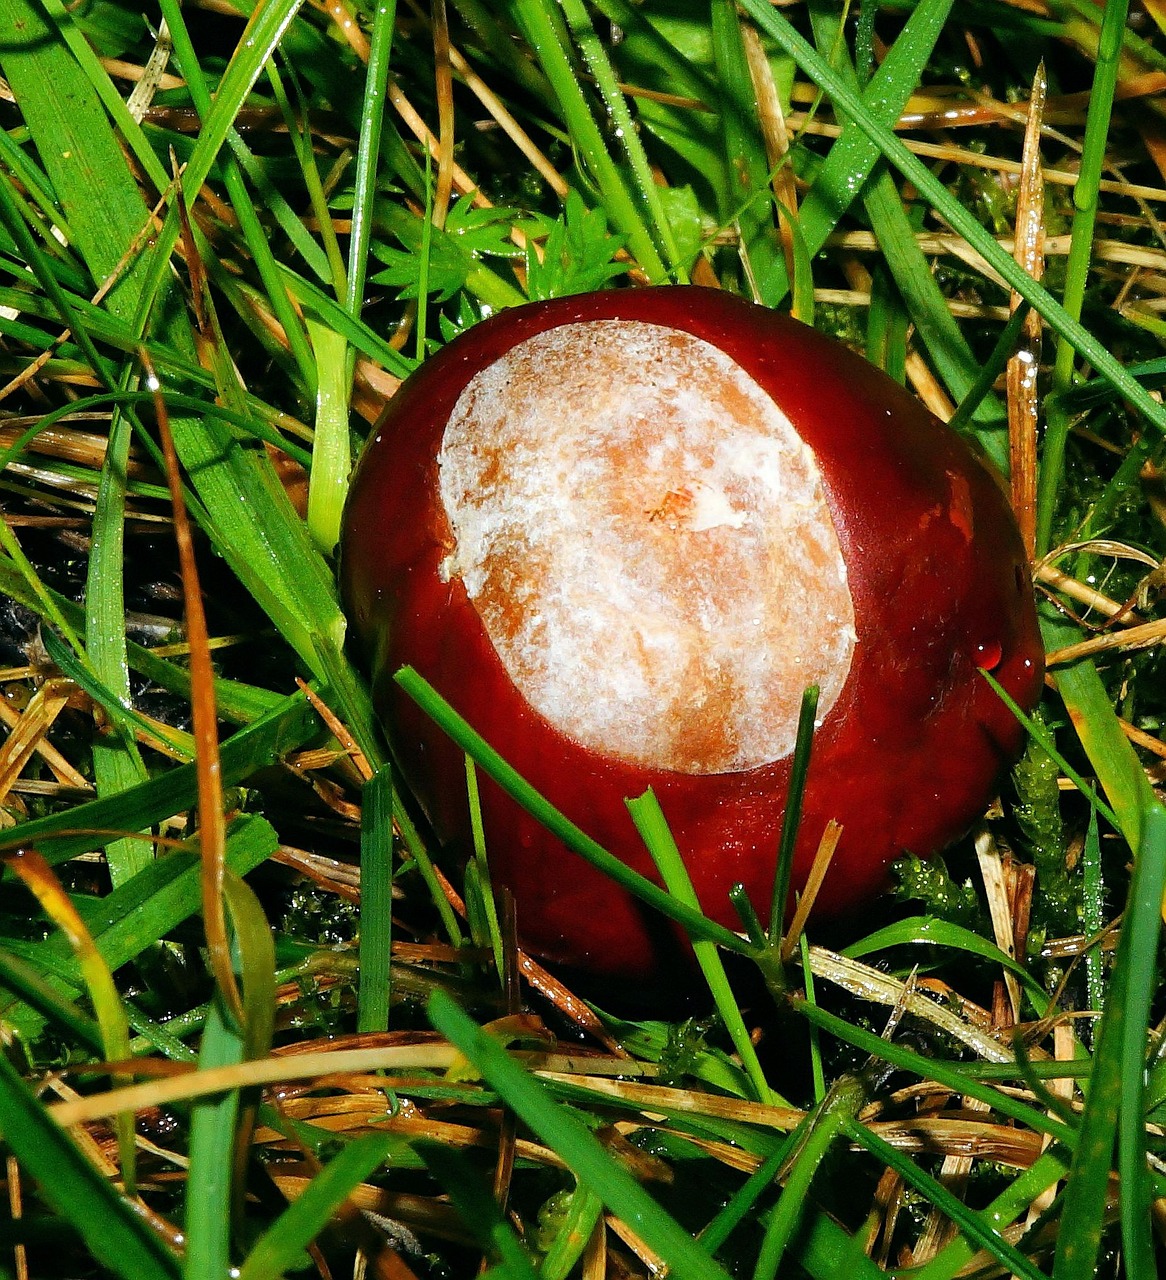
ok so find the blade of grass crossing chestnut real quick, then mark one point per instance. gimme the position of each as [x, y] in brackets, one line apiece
[376, 902]
[1106, 68]
[574, 1144]
[661, 844]
[852, 158]
[962, 220]
[480, 903]
[281, 1247]
[508, 778]
[1114, 1109]
[116, 1233]
[792, 817]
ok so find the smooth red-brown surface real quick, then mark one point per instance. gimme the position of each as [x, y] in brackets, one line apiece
[906, 759]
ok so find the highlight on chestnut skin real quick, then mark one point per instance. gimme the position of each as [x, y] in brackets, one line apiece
[622, 533]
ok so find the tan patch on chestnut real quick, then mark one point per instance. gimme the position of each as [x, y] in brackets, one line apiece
[647, 542]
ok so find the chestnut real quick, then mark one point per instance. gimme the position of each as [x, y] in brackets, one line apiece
[622, 533]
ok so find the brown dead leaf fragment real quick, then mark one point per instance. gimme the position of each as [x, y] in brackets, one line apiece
[1024, 366]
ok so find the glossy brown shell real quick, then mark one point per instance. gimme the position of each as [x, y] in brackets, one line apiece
[908, 757]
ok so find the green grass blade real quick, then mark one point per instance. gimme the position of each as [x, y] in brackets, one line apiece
[62, 307]
[791, 819]
[962, 220]
[280, 1248]
[376, 902]
[368, 153]
[131, 920]
[1106, 67]
[749, 197]
[661, 844]
[478, 1209]
[926, 930]
[492, 764]
[830, 1120]
[1143, 919]
[1116, 1084]
[90, 177]
[956, 1076]
[117, 766]
[971, 1224]
[123, 717]
[1014, 1200]
[937, 328]
[23, 980]
[114, 1232]
[212, 1143]
[540, 23]
[65, 835]
[606, 80]
[577, 1147]
[331, 447]
[852, 158]
[1110, 753]
[253, 231]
